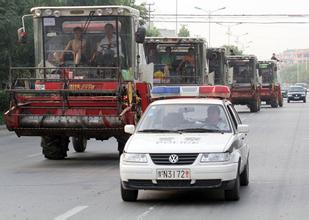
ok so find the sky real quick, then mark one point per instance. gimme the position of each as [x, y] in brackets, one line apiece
[259, 39]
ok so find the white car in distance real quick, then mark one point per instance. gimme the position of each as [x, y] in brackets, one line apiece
[185, 144]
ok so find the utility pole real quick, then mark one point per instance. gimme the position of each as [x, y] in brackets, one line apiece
[149, 13]
[176, 17]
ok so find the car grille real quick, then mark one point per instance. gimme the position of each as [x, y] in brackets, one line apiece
[175, 183]
[183, 159]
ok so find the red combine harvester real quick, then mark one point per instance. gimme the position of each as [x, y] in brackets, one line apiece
[271, 89]
[85, 85]
[246, 87]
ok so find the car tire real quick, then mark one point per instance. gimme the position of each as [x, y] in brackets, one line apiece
[79, 144]
[55, 148]
[128, 195]
[233, 194]
[244, 176]
[288, 100]
[304, 100]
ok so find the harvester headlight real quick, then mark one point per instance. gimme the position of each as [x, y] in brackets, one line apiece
[99, 12]
[48, 12]
[120, 11]
[38, 12]
[57, 13]
[109, 11]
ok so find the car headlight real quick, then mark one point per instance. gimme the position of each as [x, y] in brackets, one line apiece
[215, 157]
[303, 94]
[134, 158]
[289, 94]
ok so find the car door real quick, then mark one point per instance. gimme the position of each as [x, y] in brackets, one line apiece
[243, 148]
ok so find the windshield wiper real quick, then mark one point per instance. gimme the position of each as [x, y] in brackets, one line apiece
[158, 131]
[201, 130]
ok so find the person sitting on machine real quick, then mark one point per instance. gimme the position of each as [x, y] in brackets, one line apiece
[78, 47]
[187, 65]
[107, 51]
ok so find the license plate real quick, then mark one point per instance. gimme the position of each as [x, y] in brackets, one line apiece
[296, 97]
[173, 174]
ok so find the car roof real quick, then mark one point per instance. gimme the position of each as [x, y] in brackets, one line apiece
[189, 101]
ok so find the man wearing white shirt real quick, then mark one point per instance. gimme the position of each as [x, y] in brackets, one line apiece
[107, 47]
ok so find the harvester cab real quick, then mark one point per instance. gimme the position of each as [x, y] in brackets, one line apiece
[246, 86]
[86, 82]
[218, 67]
[177, 61]
[271, 90]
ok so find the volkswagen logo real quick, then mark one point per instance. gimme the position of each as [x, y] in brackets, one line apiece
[173, 158]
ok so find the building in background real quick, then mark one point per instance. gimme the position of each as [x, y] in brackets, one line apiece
[293, 56]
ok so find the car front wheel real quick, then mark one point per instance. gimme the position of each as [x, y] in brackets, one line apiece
[128, 195]
[233, 194]
[244, 176]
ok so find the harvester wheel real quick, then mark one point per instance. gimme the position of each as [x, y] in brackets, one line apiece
[79, 144]
[274, 103]
[55, 148]
[281, 101]
[254, 107]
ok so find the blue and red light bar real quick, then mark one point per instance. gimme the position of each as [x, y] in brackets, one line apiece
[217, 91]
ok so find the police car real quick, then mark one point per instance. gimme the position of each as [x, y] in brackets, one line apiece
[185, 144]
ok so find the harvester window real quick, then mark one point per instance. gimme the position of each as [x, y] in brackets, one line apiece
[85, 42]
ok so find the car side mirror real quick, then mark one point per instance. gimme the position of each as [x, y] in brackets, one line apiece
[22, 35]
[129, 129]
[140, 35]
[243, 129]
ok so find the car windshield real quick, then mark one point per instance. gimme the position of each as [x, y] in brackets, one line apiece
[189, 118]
[304, 85]
[296, 89]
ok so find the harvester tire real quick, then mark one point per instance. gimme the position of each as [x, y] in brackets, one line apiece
[254, 107]
[280, 102]
[79, 144]
[274, 103]
[54, 148]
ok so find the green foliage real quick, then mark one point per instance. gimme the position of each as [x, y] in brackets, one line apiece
[295, 73]
[232, 48]
[4, 101]
[4, 104]
[153, 32]
[184, 31]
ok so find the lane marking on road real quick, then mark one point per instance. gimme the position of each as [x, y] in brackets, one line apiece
[35, 155]
[70, 213]
[144, 214]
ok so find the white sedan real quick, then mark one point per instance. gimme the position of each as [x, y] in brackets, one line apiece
[185, 144]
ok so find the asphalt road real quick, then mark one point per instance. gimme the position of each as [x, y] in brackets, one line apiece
[86, 186]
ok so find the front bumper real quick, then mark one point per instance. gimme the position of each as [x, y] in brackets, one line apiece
[203, 176]
[297, 98]
[177, 184]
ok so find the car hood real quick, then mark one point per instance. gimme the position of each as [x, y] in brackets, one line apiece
[179, 143]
